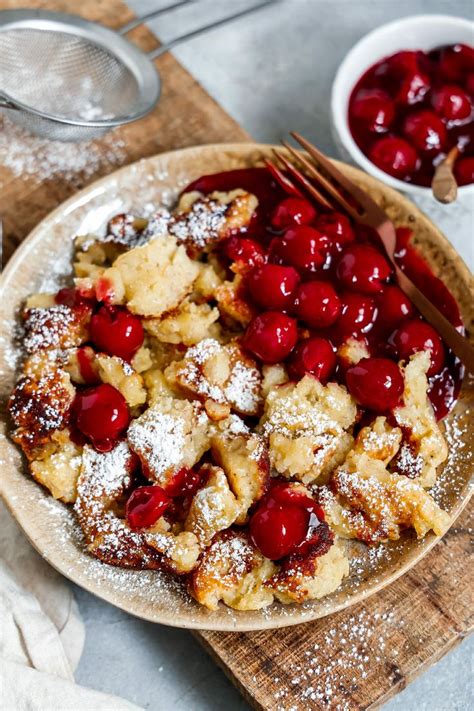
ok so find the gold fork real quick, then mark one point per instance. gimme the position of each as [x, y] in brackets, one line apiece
[356, 203]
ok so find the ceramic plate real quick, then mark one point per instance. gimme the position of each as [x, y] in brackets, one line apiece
[41, 263]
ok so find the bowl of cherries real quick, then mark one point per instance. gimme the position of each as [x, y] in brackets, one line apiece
[404, 97]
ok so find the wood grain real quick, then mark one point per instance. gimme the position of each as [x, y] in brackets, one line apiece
[358, 658]
[396, 635]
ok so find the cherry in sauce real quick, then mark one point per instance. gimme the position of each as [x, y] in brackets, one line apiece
[271, 336]
[285, 522]
[185, 483]
[369, 316]
[273, 286]
[375, 383]
[101, 415]
[314, 356]
[145, 506]
[116, 331]
[408, 110]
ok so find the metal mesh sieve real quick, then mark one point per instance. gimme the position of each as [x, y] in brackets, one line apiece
[73, 78]
[69, 79]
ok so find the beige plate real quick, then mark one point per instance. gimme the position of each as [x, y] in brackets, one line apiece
[50, 525]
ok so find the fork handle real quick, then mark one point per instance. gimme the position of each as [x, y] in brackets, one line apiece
[458, 343]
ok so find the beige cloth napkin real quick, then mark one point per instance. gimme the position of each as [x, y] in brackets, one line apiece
[41, 634]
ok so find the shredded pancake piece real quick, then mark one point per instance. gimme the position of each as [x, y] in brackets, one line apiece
[170, 435]
[104, 480]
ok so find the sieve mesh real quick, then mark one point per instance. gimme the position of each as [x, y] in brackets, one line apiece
[65, 75]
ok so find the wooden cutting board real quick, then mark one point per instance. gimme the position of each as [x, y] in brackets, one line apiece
[360, 657]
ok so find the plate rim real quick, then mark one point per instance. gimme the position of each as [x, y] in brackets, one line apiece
[262, 623]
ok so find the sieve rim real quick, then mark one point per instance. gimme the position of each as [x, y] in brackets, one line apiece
[118, 47]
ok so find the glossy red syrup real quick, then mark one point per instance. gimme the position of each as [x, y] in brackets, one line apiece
[286, 522]
[104, 291]
[185, 483]
[116, 331]
[73, 298]
[101, 415]
[245, 252]
[145, 506]
[408, 110]
[370, 316]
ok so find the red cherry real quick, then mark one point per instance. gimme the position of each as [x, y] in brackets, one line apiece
[413, 89]
[185, 483]
[393, 307]
[403, 63]
[363, 268]
[271, 336]
[273, 286]
[286, 521]
[277, 530]
[394, 156]
[247, 251]
[116, 331]
[375, 383]
[425, 130]
[337, 228]
[464, 171]
[358, 313]
[314, 356]
[451, 103]
[102, 415]
[145, 506]
[414, 336]
[293, 211]
[317, 304]
[470, 83]
[456, 62]
[303, 247]
[374, 109]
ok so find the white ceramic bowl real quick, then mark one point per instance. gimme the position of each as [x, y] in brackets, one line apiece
[423, 32]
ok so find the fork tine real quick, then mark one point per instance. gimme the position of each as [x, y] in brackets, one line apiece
[364, 200]
[302, 180]
[329, 187]
[283, 179]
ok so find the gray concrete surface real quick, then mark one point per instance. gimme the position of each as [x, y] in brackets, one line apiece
[271, 72]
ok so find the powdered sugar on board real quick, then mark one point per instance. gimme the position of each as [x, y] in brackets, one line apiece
[27, 155]
[361, 643]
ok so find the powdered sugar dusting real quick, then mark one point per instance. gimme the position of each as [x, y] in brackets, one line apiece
[45, 328]
[106, 473]
[322, 682]
[39, 158]
[159, 437]
[200, 226]
[241, 387]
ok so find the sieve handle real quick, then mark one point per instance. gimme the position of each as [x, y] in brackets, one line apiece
[150, 15]
[6, 103]
[218, 23]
